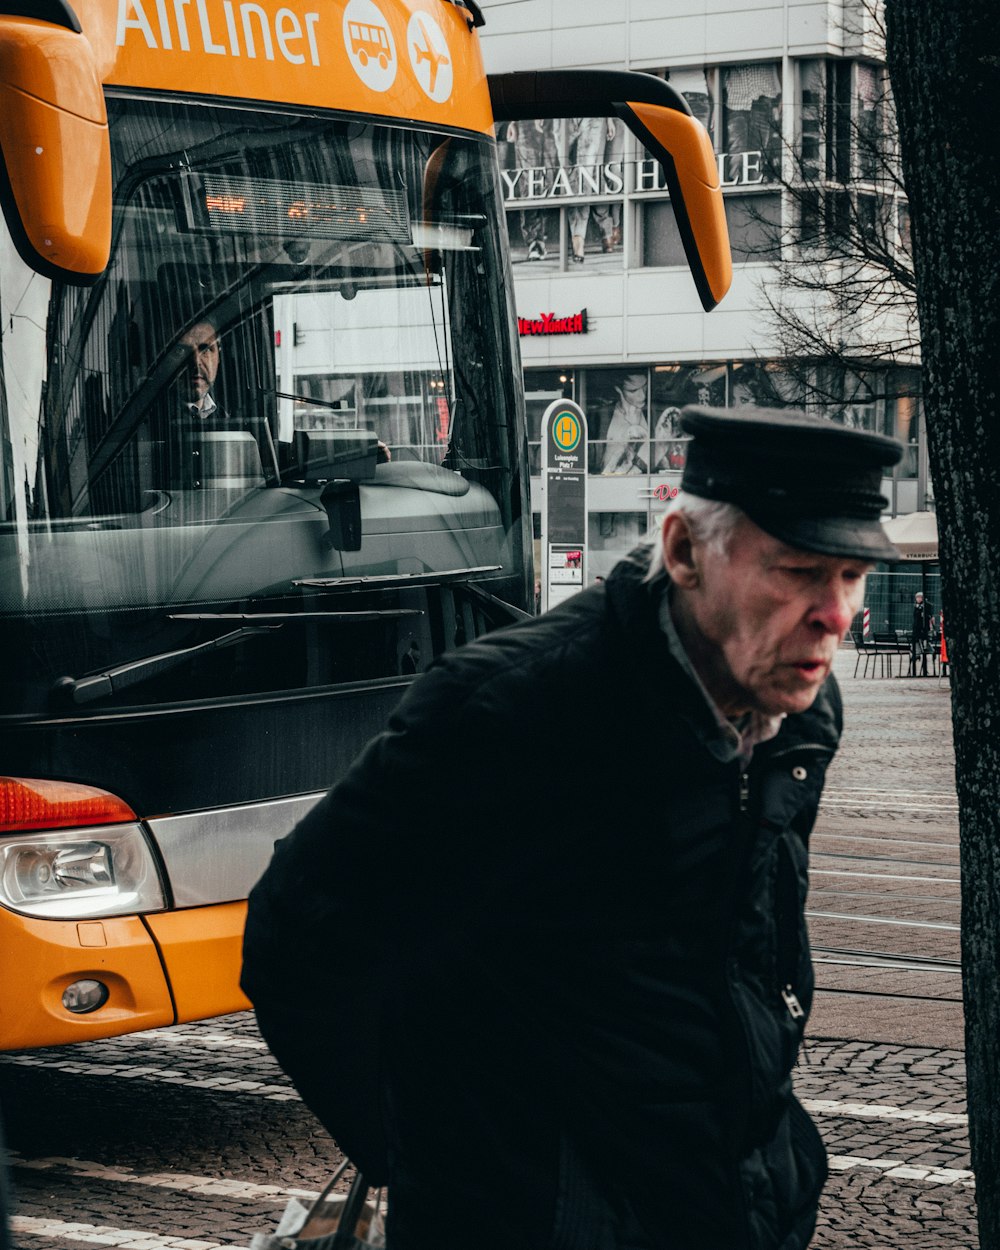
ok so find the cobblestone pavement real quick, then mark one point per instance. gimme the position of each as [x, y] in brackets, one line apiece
[887, 1040]
[192, 1139]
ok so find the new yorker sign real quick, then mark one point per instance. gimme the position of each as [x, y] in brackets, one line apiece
[549, 323]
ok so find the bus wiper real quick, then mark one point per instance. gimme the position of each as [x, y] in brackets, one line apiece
[300, 399]
[494, 601]
[388, 581]
[353, 615]
[112, 680]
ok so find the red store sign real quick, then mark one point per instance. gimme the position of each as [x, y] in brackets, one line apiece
[662, 493]
[549, 323]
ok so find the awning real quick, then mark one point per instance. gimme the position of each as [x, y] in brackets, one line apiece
[915, 535]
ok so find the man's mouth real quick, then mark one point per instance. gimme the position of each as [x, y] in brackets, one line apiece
[810, 668]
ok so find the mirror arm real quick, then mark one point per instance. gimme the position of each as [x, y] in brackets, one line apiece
[524, 95]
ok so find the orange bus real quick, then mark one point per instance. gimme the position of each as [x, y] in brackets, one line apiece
[263, 448]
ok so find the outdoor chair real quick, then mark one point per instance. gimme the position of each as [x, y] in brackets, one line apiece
[865, 650]
[888, 645]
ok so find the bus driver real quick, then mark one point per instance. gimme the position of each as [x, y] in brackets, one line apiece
[201, 367]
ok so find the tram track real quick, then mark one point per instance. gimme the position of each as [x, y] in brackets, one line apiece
[884, 903]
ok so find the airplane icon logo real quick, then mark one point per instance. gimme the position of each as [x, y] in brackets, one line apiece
[430, 57]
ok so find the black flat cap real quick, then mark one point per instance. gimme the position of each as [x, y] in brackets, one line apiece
[807, 481]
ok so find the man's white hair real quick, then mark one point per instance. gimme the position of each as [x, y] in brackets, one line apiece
[712, 523]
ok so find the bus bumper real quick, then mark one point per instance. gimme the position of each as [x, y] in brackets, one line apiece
[159, 970]
[202, 949]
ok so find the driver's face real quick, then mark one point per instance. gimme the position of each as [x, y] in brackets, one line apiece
[202, 343]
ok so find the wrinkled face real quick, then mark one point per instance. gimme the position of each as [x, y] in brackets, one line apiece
[202, 343]
[770, 619]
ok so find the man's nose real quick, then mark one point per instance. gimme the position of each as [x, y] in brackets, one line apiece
[835, 606]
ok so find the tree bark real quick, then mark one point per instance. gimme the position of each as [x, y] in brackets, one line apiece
[944, 62]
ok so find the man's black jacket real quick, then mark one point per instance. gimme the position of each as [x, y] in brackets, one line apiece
[541, 957]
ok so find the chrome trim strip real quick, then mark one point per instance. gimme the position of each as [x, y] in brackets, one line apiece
[217, 856]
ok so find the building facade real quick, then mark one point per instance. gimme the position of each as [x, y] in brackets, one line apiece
[792, 94]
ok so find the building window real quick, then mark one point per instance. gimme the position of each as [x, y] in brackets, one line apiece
[577, 163]
[903, 228]
[661, 238]
[754, 223]
[869, 124]
[696, 85]
[611, 535]
[616, 402]
[751, 101]
[541, 388]
[751, 384]
[905, 419]
[843, 121]
[674, 386]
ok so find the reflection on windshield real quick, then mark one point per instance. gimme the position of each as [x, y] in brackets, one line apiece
[292, 302]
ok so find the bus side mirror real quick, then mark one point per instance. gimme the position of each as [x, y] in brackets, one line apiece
[661, 118]
[55, 172]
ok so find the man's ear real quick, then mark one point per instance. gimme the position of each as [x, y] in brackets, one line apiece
[679, 554]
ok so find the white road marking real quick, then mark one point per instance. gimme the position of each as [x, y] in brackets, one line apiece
[284, 1093]
[194, 1037]
[900, 1170]
[103, 1235]
[880, 1111]
[205, 1185]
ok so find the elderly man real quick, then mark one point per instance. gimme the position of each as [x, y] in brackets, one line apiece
[540, 959]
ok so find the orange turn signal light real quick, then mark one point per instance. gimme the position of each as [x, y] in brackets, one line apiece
[35, 803]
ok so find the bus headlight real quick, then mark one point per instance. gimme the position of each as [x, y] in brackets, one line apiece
[78, 873]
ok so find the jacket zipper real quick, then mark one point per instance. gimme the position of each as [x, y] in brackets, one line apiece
[792, 1003]
[788, 995]
[740, 1119]
[812, 747]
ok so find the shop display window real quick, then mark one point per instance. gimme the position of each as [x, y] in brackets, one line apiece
[751, 130]
[617, 407]
[577, 163]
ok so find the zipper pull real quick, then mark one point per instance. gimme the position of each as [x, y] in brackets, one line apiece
[744, 792]
[792, 1003]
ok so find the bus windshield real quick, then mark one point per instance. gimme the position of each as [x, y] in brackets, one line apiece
[295, 380]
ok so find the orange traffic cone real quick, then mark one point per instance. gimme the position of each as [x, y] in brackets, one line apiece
[944, 648]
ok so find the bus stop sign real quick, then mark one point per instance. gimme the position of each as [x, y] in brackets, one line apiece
[564, 502]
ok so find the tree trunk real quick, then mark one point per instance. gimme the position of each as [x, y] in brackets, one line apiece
[944, 62]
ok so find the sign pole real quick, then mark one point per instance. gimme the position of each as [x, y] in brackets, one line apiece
[564, 502]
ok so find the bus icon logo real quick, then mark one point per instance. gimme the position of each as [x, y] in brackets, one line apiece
[566, 431]
[370, 45]
[430, 57]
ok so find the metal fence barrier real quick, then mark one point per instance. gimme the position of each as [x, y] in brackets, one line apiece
[889, 599]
